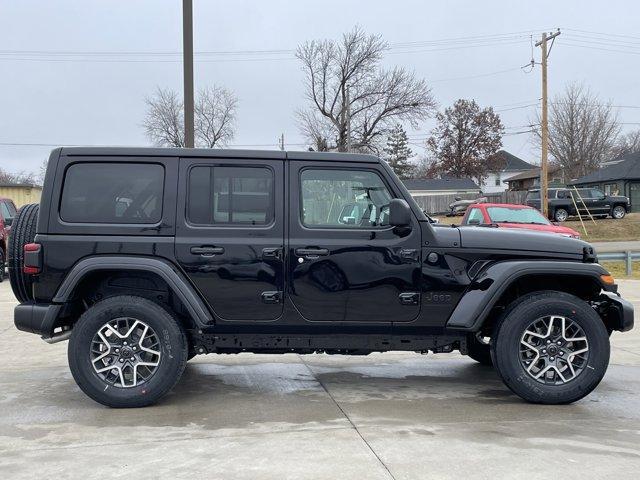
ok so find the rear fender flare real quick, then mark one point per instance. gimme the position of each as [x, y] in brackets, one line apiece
[174, 278]
[489, 285]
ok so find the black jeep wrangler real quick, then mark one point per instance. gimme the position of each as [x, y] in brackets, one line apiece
[145, 257]
[566, 202]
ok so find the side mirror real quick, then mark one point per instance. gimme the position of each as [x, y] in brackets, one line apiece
[457, 199]
[474, 221]
[399, 213]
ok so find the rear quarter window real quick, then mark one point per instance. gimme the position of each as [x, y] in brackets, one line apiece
[116, 193]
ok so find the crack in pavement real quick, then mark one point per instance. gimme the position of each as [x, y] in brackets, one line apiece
[384, 465]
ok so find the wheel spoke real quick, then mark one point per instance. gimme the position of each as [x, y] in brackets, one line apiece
[119, 356]
[554, 350]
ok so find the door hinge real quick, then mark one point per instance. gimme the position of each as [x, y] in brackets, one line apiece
[271, 297]
[409, 298]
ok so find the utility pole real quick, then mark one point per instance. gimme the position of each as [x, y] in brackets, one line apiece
[348, 113]
[281, 141]
[544, 164]
[187, 52]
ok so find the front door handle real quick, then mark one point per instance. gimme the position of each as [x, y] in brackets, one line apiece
[312, 252]
[207, 251]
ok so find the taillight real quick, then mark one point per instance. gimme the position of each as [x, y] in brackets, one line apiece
[32, 258]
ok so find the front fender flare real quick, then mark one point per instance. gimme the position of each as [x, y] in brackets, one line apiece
[174, 278]
[485, 290]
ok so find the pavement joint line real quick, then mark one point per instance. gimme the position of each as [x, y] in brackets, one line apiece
[353, 425]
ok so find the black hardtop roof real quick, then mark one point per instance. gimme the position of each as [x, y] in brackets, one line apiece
[216, 153]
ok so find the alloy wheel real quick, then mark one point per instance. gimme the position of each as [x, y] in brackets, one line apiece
[618, 212]
[125, 352]
[554, 350]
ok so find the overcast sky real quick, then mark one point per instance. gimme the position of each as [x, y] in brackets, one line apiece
[55, 89]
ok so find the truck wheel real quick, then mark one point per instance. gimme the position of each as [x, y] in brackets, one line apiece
[560, 215]
[127, 351]
[479, 350]
[618, 212]
[23, 231]
[550, 347]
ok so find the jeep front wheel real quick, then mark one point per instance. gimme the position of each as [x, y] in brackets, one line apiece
[551, 348]
[127, 351]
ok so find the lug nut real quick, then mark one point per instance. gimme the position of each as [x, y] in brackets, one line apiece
[117, 350]
[548, 342]
[121, 360]
[552, 359]
[561, 353]
[125, 343]
[135, 348]
[544, 351]
[559, 342]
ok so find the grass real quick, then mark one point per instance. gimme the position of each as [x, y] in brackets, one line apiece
[604, 230]
[618, 269]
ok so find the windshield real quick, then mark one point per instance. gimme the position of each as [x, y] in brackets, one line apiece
[516, 215]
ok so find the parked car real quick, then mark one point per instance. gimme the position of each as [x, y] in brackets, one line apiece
[7, 213]
[563, 202]
[459, 207]
[229, 251]
[513, 216]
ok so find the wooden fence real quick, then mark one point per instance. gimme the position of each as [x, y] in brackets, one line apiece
[439, 204]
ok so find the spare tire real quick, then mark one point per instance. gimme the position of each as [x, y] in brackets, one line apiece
[23, 231]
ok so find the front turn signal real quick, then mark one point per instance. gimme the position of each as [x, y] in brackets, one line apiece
[607, 279]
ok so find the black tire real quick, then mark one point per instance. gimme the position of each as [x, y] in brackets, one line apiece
[506, 343]
[479, 351]
[172, 342]
[23, 231]
[618, 212]
[560, 215]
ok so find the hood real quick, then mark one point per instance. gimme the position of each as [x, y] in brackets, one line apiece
[543, 228]
[519, 239]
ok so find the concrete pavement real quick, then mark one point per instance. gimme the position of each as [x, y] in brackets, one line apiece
[384, 416]
[606, 247]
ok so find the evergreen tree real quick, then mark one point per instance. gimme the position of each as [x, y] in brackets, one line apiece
[398, 153]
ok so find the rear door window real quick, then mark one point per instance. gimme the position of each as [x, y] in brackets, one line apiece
[112, 193]
[230, 196]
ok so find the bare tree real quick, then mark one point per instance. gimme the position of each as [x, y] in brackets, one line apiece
[22, 177]
[377, 99]
[627, 143]
[215, 113]
[164, 123]
[465, 140]
[582, 130]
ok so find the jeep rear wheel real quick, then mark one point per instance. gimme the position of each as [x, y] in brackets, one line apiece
[551, 347]
[127, 351]
[560, 215]
[23, 231]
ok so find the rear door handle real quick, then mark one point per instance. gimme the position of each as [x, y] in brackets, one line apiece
[207, 251]
[312, 252]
